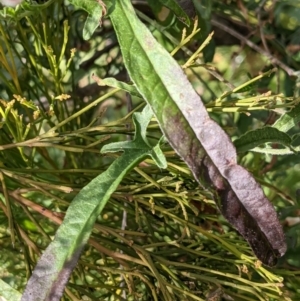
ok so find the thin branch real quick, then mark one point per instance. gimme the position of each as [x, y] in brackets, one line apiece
[274, 60]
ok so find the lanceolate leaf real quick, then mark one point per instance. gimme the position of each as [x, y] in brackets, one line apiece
[257, 137]
[56, 264]
[200, 141]
[275, 134]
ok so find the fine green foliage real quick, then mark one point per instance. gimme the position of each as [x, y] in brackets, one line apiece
[99, 192]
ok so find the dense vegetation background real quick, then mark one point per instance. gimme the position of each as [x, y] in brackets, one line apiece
[159, 228]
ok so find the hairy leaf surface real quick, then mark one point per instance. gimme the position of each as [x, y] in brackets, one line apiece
[257, 137]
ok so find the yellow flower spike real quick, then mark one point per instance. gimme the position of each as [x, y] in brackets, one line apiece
[23, 101]
[10, 104]
[36, 114]
[73, 51]
[51, 111]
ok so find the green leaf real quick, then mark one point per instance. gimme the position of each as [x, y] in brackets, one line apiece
[257, 137]
[95, 11]
[288, 120]
[57, 262]
[140, 141]
[201, 143]
[88, 5]
[91, 24]
[275, 134]
[7, 292]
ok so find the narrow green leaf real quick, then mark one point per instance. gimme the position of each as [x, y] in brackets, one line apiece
[7, 292]
[57, 262]
[112, 82]
[204, 146]
[288, 120]
[257, 137]
[277, 151]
